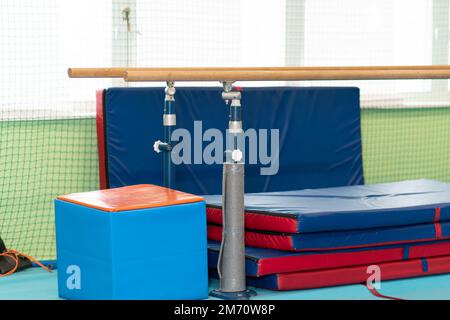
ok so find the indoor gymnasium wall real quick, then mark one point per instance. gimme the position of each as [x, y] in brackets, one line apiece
[47, 127]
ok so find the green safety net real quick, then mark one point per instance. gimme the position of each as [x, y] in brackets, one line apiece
[48, 140]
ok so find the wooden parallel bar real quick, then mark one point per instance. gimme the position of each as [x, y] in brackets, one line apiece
[287, 75]
[120, 72]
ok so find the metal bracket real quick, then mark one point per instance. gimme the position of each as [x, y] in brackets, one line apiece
[227, 85]
[159, 146]
[227, 94]
[241, 295]
[170, 91]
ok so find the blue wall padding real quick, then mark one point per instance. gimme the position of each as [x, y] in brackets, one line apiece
[320, 136]
[353, 207]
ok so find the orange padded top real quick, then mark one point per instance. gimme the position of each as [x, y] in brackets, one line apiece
[130, 198]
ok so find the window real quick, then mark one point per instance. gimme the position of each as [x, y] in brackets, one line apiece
[210, 33]
[384, 32]
[41, 38]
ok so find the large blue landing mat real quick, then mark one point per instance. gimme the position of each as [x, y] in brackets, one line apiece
[319, 133]
[38, 284]
[345, 208]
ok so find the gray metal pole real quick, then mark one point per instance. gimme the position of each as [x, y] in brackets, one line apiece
[231, 263]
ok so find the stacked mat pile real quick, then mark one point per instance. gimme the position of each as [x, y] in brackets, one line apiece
[324, 237]
[296, 239]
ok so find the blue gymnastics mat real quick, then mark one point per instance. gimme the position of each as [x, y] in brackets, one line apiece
[352, 208]
[38, 284]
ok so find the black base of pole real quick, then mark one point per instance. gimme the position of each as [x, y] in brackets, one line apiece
[240, 295]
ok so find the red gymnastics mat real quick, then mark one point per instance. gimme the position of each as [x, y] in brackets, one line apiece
[337, 240]
[352, 275]
[261, 262]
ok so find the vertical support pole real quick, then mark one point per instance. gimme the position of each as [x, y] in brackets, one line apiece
[231, 263]
[440, 44]
[124, 36]
[295, 12]
[165, 146]
[295, 33]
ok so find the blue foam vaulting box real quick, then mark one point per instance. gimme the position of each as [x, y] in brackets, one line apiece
[119, 244]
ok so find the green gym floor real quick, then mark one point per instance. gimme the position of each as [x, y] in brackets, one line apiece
[38, 284]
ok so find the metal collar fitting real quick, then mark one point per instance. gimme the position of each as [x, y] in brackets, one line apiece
[170, 91]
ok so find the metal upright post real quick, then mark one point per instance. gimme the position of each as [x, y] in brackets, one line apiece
[169, 122]
[231, 263]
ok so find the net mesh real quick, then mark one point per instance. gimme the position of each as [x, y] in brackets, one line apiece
[47, 121]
